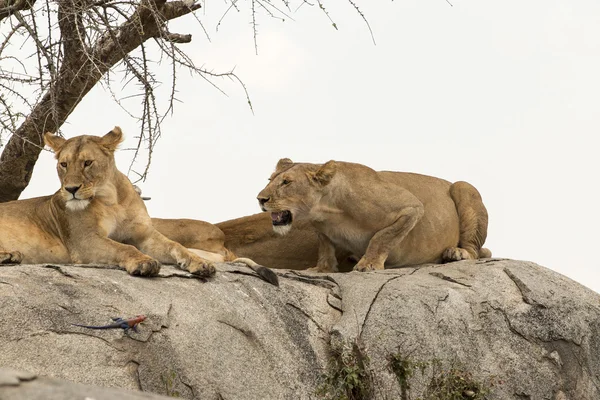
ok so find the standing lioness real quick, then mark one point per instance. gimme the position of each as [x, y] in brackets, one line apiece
[95, 217]
[386, 218]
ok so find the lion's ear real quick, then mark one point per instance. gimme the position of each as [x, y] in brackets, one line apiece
[325, 173]
[53, 141]
[112, 139]
[283, 164]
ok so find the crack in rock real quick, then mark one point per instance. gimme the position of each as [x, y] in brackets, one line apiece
[306, 315]
[509, 324]
[362, 328]
[526, 293]
[134, 366]
[59, 269]
[246, 332]
[447, 278]
[335, 301]
[190, 387]
[324, 281]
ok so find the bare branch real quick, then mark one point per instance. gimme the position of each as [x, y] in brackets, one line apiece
[9, 7]
[53, 53]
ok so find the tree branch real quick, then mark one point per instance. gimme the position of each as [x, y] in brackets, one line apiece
[8, 7]
[81, 69]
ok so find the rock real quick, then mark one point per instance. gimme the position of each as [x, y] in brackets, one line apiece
[11, 377]
[511, 329]
[19, 385]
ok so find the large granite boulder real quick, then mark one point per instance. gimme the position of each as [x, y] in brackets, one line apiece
[496, 329]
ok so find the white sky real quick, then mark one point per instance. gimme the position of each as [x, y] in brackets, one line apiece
[502, 94]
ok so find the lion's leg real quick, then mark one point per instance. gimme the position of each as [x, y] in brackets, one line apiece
[10, 257]
[473, 221]
[327, 261]
[102, 250]
[207, 255]
[169, 252]
[388, 238]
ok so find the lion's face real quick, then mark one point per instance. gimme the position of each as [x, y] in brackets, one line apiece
[85, 165]
[293, 190]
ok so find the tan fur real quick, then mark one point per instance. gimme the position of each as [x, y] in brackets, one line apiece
[207, 241]
[95, 217]
[253, 236]
[385, 218]
[202, 238]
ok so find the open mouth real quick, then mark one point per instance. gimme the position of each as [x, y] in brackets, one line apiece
[279, 218]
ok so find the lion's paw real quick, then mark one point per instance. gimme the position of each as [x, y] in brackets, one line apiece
[365, 266]
[202, 268]
[455, 254]
[145, 267]
[10, 257]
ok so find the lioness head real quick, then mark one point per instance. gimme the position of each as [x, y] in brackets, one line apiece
[293, 190]
[85, 165]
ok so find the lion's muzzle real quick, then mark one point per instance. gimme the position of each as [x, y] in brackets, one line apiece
[77, 197]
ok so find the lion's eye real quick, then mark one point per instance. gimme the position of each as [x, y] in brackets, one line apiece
[63, 164]
[87, 163]
[285, 182]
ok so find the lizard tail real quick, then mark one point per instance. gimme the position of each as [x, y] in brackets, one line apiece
[265, 273]
[93, 327]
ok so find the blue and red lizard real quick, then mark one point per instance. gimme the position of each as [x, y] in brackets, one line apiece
[119, 323]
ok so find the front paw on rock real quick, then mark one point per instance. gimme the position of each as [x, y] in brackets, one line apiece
[202, 268]
[13, 257]
[366, 266]
[146, 267]
[455, 254]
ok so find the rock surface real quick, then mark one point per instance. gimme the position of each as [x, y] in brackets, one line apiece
[18, 385]
[515, 329]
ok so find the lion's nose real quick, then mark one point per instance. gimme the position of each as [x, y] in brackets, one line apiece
[262, 200]
[72, 189]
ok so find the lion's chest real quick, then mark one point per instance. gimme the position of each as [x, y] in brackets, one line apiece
[109, 226]
[117, 224]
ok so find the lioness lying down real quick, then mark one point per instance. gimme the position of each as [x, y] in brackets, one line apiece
[95, 217]
[383, 218]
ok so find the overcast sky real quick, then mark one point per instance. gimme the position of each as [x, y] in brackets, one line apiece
[502, 94]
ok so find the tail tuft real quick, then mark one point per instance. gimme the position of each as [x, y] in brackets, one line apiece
[268, 275]
[264, 273]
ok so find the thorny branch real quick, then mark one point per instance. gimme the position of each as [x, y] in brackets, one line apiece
[53, 52]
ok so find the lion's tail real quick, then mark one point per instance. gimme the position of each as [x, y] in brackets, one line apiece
[265, 273]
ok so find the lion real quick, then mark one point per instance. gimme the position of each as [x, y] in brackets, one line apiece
[252, 236]
[249, 237]
[95, 217]
[383, 218]
[208, 241]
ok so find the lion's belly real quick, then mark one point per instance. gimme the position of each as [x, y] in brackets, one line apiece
[349, 238]
[36, 245]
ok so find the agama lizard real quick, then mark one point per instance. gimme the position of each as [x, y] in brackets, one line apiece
[121, 323]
